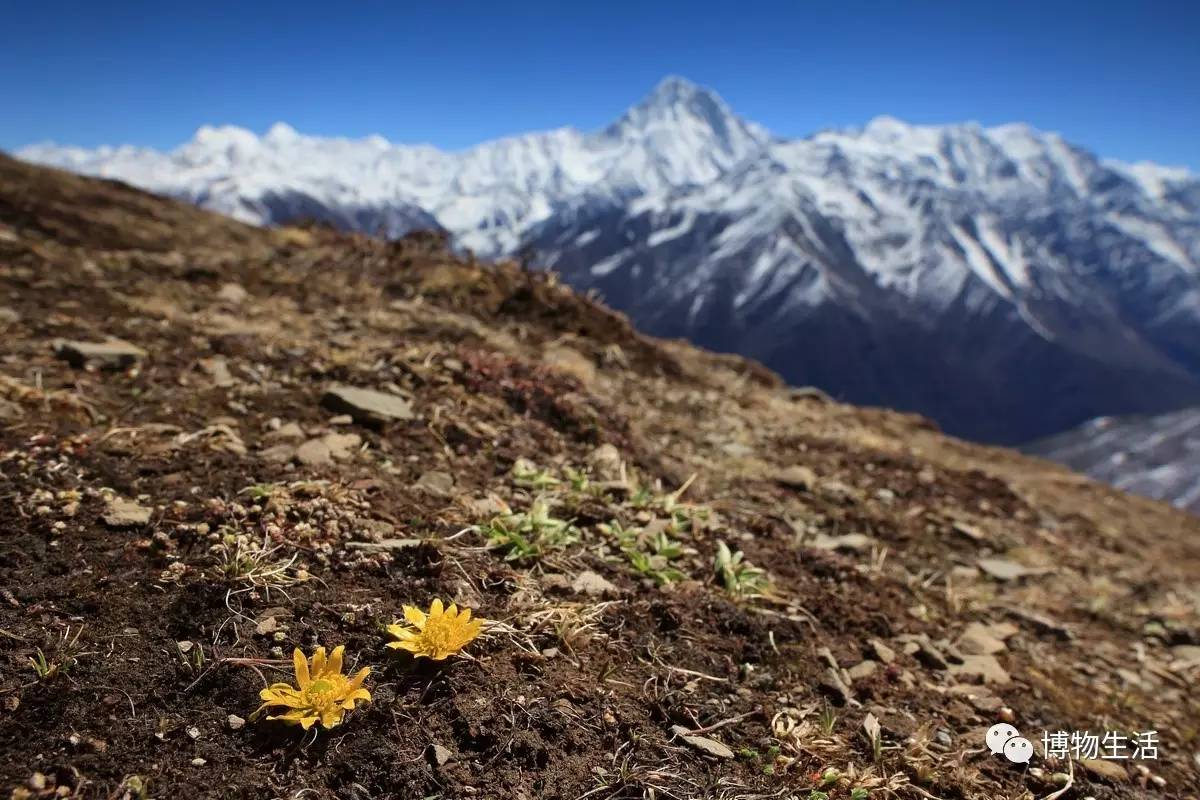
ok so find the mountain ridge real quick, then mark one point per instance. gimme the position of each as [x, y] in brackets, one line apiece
[871, 261]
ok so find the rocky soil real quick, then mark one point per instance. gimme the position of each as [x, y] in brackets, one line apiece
[218, 443]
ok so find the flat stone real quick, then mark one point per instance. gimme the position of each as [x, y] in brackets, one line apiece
[837, 491]
[1108, 770]
[590, 583]
[384, 544]
[572, 362]
[797, 477]
[605, 462]
[110, 354]
[342, 445]
[1002, 569]
[289, 431]
[439, 755]
[367, 405]
[850, 542]
[232, 293]
[884, 653]
[970, 531]
[217, 369]
[327, 449]
[833, 683]
[702, 743]
[986, 668]
[435, 482]
[314, 453]
[125, 514]
[278, 454]
[235, 722]
[862, 670]
[1041, 623]
[980, 640]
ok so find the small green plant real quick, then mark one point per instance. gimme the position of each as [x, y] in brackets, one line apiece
[528, 475]
[815, 795]
[859, 793]
[829, 777]
[63, 657]
[134, 787]
[41, 666]
[828, 720]
[192, 658]
[530, 535]
[650, 556]
[240, 560]
[260, 491]
[739, 577]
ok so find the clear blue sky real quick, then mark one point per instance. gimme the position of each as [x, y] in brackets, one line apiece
[1122, 79]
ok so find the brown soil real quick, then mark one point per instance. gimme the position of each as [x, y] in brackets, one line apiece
[152, 640]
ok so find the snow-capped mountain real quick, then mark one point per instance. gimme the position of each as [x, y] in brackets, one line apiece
[1000, 280]
[1157, 456]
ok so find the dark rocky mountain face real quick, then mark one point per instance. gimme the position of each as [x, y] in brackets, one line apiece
[1001, 281]
[1156, 456]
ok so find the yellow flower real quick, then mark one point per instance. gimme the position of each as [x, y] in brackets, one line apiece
[440, 633]
[325, 694]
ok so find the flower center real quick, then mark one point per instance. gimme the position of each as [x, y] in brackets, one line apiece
[321, 693]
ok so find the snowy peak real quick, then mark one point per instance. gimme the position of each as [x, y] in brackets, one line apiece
[678, 115]
[925, 267]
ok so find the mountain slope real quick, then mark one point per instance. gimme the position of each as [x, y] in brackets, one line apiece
[1156, 456]
[1000, 280]
[180, 517]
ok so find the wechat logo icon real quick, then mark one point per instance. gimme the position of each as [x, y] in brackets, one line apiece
[1003, 738]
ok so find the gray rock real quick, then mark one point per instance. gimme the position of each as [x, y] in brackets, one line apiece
[290, 431]
[797, 477]
[850, 542]
[125, 514]
[435, 482]
[862, 670]
[314, 453]
[884, 653]
[232, 294]
[984, 640]
[1002, 569]
[384, 544]
[217, 369]
[833, 683]
[439, 755]
[367, 405]
[986, 668]
[110, 354]
[702, 743]
[235, 722]
[278, 454]
[342, 445]
[590, 583]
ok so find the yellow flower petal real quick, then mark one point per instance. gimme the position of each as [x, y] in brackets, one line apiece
[335, 660]
[300, 664]
[318, 662]
[436, 609]
[415, 616]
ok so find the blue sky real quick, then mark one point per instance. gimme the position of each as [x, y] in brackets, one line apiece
[1121, 79]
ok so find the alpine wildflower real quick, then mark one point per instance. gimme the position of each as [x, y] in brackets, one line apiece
[324, 695]
[436, 635]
